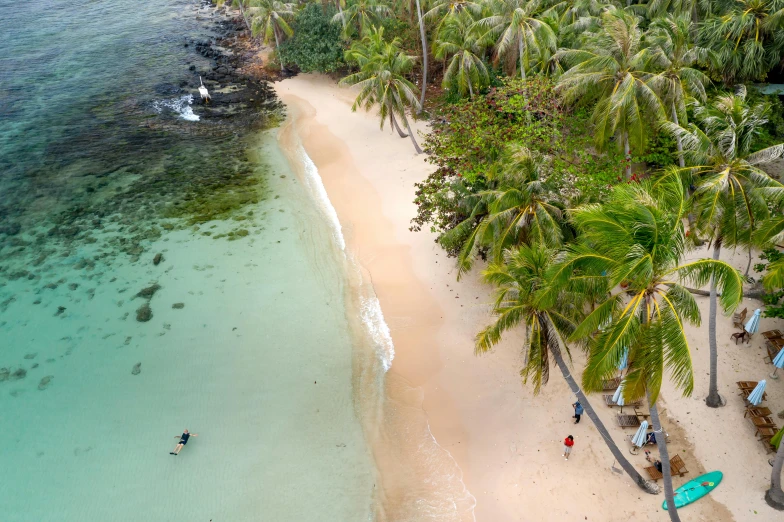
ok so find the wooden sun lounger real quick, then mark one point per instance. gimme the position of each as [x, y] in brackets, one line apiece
[775, 344]
[747, 385]
[772, 334]
[770, 448]
[758, 411]
[763, 422]
[611, 384]
[628, 421]
[765, 433]
[772, 352]
[608, 400]
[677, 467]
[746, 392]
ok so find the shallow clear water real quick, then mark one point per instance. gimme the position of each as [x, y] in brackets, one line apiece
[102, 168]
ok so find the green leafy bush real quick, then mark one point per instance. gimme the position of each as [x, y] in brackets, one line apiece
[316, 45]
[774, 300]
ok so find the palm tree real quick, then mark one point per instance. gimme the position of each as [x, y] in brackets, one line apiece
[729, 198]
[516, 31]
[382, 79]
[747, 40]
[612, 70]
[775, 496]
[241, 4]
[424, 56]
[677, 56]
[269, 19]
[361, 15]
[638, 237]
[549, 319]
[517, 210]
[466, 70]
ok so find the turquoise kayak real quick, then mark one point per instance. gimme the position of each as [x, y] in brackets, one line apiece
[696, 489]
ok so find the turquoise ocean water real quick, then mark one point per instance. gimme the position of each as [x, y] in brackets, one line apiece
[103, 165]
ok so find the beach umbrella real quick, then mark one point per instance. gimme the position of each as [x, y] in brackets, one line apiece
[624, 360]
[752, 325]
[618, 396]
[778, 362]
[638, 441]
[755, 397]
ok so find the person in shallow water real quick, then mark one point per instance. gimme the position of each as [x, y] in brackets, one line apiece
[183, 441]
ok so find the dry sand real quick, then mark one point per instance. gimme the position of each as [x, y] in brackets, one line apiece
[506, 442]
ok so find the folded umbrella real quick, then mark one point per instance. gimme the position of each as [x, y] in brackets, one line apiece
[778, 362]
[752, 325]
[641, 436]
[755, 397]
[624, 360]
[618, 396]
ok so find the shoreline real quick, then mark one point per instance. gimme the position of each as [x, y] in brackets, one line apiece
[506, 442]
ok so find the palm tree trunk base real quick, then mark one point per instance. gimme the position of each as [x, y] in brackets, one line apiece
[715, 401]
[774, 501]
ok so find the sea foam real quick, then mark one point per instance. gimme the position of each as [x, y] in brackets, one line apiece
[181, 106]
[316, 186]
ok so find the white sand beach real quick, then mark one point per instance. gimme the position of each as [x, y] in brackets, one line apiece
[506, 442]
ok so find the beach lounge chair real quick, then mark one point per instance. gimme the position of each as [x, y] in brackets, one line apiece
[628, 421]
[772, 334]
[765, 433]
[776, 343]
[677, 467]
[763, 422]
[747, 385]
[772, 352]
[770, 448]
[747, 391]
[611, 384]
[608, 400]
[739, 319]
[758, 411]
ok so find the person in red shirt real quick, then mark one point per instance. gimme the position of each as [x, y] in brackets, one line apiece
[568, 443]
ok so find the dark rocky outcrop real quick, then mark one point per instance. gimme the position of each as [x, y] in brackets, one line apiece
[137, 369]
[148, 292]
[178, 306]
[157, 259]
[144, 313]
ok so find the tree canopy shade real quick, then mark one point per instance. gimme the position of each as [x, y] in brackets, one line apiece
[269, 19]
[516, 210]
[638, 237]
[729, 198]
[382, 79]
[549, 317]
[517, 31]
[316, 45]
[458, 43]
[612, 70]
[747, 40]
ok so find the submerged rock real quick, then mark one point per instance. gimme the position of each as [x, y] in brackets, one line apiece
[60, 310]
[148, 292]
[31, 355]
[178, 306]
[45, 382]
[21, 373]
[157, 259]
[5, 373]
[144, 313]
[137, 369]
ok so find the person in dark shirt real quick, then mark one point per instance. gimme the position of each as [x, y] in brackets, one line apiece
[183, 441]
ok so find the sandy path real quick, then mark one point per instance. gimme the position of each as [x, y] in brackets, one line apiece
[506, 441]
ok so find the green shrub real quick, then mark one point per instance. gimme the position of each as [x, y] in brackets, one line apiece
[316, 45]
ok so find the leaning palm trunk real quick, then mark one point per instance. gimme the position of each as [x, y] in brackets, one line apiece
[775, 496]
[394, 124]
[664, 456]
[244, 16]
[411, 135]
[424, 58]
[616, 452]
[714, 399]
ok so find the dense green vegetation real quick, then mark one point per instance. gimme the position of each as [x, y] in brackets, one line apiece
[572, 141]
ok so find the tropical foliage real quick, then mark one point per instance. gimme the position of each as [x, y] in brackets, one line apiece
[570, 140]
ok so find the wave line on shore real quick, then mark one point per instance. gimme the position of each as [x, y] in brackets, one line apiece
[316, 185]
